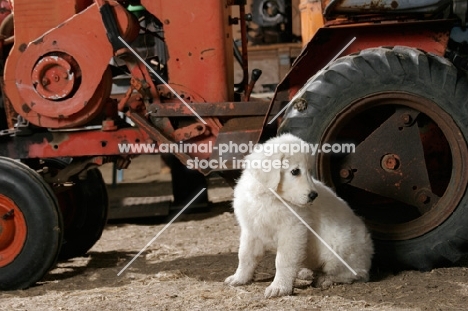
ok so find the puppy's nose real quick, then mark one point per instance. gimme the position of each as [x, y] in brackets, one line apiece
[312, 195]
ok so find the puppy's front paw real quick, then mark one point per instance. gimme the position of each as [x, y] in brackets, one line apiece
[275, 290]
[305, 274]
[236, 280]
[323, 281]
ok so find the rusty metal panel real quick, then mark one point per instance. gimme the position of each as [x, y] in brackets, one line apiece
[33, 18]
[35, 88]
[199, 42]
[225, 109]
[75, 144]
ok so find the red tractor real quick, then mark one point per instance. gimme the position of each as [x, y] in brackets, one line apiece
[397, 89]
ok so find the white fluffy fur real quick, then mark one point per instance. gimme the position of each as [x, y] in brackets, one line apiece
[267, 224]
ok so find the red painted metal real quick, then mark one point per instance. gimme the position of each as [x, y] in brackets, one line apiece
[245, 59]
[70, 45]
[77, 143]
[54, 76]
[190, 97]
[226, 109]
[199, 43]
[13, 230]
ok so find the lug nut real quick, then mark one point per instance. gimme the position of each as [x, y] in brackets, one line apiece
[345, 173]
[406, 118]
[390, 162]
[423, 198]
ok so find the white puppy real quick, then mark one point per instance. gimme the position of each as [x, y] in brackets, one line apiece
[267, 224]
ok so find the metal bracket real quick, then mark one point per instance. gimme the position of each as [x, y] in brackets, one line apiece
[8, 132]
[20, 123]
[77, 167]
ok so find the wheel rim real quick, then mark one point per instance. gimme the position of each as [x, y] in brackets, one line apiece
[13, 230]
[407, 173]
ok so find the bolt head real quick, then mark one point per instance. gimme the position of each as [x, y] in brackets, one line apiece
[390, 162]
[406, 118]
[423, 198]
[344, 173]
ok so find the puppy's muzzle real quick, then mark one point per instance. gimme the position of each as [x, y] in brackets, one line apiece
[312, 195]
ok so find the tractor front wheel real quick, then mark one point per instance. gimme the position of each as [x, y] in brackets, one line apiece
[30, 226]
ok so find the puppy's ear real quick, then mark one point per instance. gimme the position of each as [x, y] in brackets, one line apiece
[260, 167]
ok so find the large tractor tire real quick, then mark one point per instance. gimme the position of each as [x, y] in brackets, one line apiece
[83, 204]
[406, 112]
[30, 226]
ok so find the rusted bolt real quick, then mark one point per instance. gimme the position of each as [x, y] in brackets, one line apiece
[345, 173]
[406, 118]
[390, 162]
[424, 198]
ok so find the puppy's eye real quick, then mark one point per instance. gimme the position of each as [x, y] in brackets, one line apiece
[296, 172]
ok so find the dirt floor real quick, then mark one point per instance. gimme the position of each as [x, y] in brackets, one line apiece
[184, 269]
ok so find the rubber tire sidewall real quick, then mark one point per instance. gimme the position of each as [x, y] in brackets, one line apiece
[44, 234]
[382, 70]
[93, 205]
[89, 213]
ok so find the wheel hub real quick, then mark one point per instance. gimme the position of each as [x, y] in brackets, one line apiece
[12, 231]
[400, 177]
[390, 161]
[54, 76]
